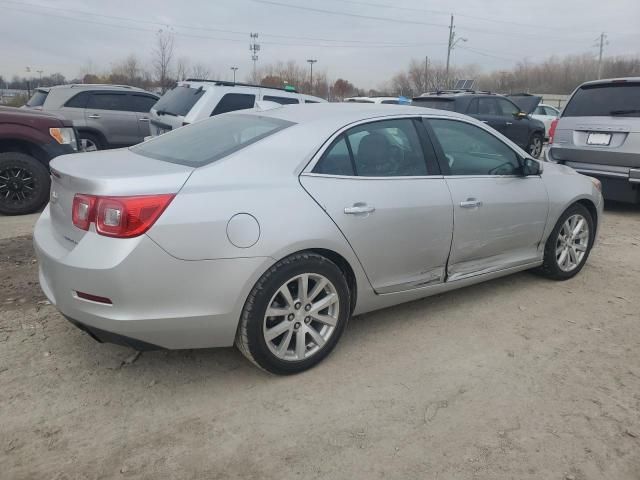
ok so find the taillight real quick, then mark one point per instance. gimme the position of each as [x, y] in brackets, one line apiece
[82, 212]
[120, 217]
[552, 130]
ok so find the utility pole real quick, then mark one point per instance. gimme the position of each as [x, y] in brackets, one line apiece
[426, 74]
[603, 41]
[311, 62]
[235, 69]
[254, 48]
[450, 44]
[40, 80]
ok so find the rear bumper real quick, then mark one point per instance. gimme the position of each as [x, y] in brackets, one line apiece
[157, 300]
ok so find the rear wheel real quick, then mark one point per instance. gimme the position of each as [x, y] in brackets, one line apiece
[24, 184]
[295, 314]
[569, 244]
[89, 142]
[535, 145]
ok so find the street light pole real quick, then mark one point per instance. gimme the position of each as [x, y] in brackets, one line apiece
[311, 62]
[234, 73]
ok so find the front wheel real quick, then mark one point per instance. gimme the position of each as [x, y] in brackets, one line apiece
[535, 145]
[295, 314]
[24, 184]
[569, 244]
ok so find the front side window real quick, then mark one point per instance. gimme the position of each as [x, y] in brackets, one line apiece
[389, 148]
[488, 106]
[209, 140]
[108, 101]
[506, 107]
[281, 100]
[231, 102]
[471, 150]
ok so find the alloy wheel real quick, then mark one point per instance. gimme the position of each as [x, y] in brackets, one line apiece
[572, 242]
[88, 145]
[301, 317]
[16, 185]
[536, 147]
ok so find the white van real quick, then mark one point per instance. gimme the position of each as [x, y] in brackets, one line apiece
[192, 100]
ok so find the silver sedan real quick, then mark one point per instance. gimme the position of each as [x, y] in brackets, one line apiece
[270, 229]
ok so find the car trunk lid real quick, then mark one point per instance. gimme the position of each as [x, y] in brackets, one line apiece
[106, 173]
[525, 101]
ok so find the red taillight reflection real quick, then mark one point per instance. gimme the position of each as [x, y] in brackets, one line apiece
[552, 130]
[120, 217]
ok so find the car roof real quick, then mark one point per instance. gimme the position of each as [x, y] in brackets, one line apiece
[611, 80]
[93, 86]
[347, 112]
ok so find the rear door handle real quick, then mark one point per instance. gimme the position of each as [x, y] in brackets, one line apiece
[359, 209]
[471, 203]
[508, 123]
[144, 119]
[95, 115]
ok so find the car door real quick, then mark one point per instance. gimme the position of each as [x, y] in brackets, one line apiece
[109, 113]
[499, 214]
[380, 184]
[516, 126]
[141, 104]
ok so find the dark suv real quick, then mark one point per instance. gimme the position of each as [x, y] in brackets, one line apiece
[28, 141]
[509, 117]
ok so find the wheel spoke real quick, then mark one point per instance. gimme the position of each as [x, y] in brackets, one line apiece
[284, 344]
[573, 257]
[319, 286]
[326, 319]
[277, 312]
[284, 290]
[301, 346]
[578, 227]
[563, 257]
[303, 284]
[279, 329]
[324, 303]
[317, 338]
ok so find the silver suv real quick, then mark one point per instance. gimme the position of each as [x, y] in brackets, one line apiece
[105, 116]
[598, 134]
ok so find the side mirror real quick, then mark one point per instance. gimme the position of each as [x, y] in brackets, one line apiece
[520, 115]
[531, 167]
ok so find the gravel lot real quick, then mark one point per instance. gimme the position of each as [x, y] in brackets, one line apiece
[518, 378]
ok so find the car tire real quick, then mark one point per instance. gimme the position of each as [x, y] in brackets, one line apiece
[24, 184]
[535, 145]
[284, 344]
[89, 142]
[558, 246]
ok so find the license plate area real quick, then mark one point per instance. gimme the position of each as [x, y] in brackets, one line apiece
[601, 139]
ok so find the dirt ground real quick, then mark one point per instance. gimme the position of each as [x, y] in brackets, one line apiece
[518, 378]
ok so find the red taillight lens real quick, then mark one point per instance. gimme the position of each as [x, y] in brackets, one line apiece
[552, 130]
[83, 210]
[121, 217]
[126, 217]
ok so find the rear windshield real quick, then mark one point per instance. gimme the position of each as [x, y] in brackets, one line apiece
[179, 100]
[439, 103]
[611, 99]
[205, 142]
[38, 98]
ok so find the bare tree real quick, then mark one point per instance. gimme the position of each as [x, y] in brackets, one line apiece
[163, 56]
[200, 70]
[183, 69]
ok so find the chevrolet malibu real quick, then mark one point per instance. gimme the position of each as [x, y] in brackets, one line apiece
[271, 228]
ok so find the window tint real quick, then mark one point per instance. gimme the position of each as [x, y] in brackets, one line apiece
[231, 102]
[506, 107]
[336, 160]
[78, 101]
[38, 98]
[179, 100]
[488, 106]
[389, 148]
[281, 100]
[617, 99]
[205, 142]
[310, 101]
[390, 102]
[143, 103]
[108, 101]
[439, 103]
[470, 150]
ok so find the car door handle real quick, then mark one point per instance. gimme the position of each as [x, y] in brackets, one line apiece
[508, 123]
[143, 119]
[471, 203]
[95, 115]
[484, 121]
[359, 209]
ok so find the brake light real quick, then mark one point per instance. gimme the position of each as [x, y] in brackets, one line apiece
[552, 130]
[120, 217]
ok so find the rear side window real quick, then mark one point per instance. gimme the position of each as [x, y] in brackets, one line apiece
[142, 103]
[610, 99]
[78, 101]
[207, 141]
[108, 101]
[281, 100]
[310, 101]
[438, 103]
[38, 98]
[179, 100]
[390, 102]
[231, 102]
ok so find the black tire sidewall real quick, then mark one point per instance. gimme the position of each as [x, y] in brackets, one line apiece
[256, 341]
[550, 265]
[41, 178]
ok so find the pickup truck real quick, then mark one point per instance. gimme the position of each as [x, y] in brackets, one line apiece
[29, 140]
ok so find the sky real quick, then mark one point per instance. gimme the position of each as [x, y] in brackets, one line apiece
[364, 41]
